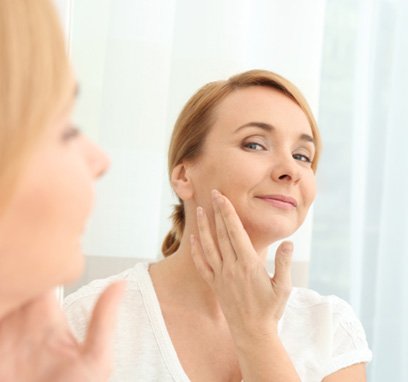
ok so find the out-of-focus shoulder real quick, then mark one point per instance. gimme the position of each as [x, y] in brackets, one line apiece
[96, 287]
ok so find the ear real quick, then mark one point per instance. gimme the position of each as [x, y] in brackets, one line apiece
[181, 182]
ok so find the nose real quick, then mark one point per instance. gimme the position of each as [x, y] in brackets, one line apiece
[97, 160]
[285, 169]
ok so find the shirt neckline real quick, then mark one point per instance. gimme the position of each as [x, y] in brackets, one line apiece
[160, 331]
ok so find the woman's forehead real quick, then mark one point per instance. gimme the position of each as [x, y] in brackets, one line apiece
[259, 105]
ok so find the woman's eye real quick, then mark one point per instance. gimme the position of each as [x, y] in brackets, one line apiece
[70, 133]
[302, 158]
[254, 146]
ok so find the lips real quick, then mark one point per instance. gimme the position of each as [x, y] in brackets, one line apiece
[279, 200]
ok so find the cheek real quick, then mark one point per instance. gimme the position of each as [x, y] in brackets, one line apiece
[231, 173]
[73, 202]
[235, 173]
[55, 205]
[43, 226]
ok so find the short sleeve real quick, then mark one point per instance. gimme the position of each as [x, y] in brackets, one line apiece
[349, 344]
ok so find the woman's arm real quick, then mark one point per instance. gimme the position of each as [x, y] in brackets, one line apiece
[354, 373]
[251, 301]
[37, 345]
[265, 359]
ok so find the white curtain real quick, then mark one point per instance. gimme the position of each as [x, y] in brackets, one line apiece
[360, 237]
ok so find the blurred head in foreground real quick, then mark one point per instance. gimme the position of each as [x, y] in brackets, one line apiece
[47, 168]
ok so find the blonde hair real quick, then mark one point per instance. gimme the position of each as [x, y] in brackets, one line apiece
[35, 81]
[197, 117]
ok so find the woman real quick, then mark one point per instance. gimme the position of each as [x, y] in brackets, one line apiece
[242, 162]
[47, 170]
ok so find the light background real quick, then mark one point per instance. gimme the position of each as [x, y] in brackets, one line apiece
[138, 62]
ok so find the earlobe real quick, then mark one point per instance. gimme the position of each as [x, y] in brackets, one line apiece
[181, 182]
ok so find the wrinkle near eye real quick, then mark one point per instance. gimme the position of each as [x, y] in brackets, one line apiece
[306, 150]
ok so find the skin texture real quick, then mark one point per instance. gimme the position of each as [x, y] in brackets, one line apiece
[245, 163]
[40, 236]
[219, 269]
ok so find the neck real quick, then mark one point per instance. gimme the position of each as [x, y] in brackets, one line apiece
[6, 308]
[10, 299]
[10, 306]
[178, 281]
[40, 310]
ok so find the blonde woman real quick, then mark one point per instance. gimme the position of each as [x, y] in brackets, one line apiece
[47, 170]
[242, 161]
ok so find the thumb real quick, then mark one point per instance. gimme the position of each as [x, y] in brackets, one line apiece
[283, 262]
[99, 339]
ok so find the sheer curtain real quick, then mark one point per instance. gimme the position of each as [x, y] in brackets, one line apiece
[360, 235]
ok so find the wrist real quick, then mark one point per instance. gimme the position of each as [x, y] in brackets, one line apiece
[253, 335]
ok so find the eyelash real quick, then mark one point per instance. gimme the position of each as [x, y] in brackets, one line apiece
[305, 159]
[246, 145]
[301, 157]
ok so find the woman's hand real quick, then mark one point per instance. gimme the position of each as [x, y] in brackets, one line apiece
[252, 302]
[37, 345]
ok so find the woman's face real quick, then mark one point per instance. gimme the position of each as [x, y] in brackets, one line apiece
[258, 153]
[42, 224]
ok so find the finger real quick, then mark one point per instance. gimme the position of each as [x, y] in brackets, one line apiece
[239, 238]
[227, 252]
[200, 262]
[99, 340]
[208, 246]
[283, 264]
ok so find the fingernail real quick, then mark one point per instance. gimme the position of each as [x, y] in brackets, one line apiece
[287, 247]
[217, 197]
[200, 212]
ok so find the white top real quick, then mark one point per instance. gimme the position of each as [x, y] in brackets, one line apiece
[321, 334]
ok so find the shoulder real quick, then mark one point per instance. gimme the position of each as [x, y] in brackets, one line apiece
[79, 305]
[319, 307]
[327, 313]
[327, 324]
[92, 290]
[303, 298]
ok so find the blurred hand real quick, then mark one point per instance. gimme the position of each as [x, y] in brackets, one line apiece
[37, 345]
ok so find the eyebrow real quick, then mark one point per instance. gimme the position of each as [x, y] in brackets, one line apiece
[267, 127]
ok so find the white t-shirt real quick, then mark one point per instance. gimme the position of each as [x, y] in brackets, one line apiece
[320, 334]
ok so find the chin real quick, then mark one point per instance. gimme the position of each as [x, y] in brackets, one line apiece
[264, 234]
